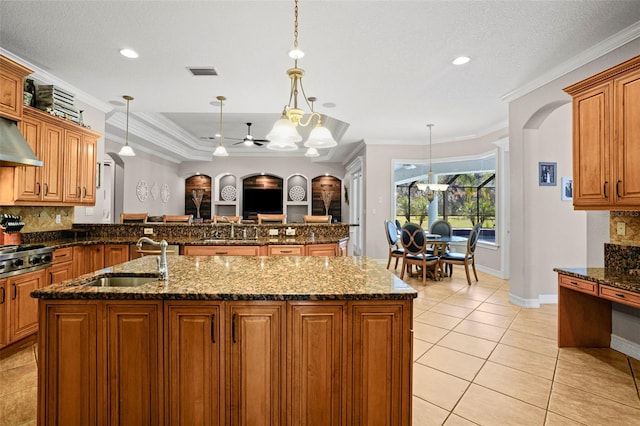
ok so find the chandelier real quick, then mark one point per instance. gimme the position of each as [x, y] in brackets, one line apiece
[220, 151]
[428, 185]
[126, 150]
[284, 134]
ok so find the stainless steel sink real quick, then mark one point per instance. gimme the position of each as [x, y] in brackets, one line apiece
[126, 281]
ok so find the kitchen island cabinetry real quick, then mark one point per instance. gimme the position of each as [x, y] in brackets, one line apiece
[606, 139]
[22, 308]
[215, 250]
[231, 349]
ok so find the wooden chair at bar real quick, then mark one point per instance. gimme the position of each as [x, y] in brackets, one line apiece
[317, 219]
[271, 218]
[185, 218]
[133, 217]
[227, 219]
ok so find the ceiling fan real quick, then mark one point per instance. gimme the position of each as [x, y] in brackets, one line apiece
[249, 140]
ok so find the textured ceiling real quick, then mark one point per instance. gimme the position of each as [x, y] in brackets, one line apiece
[385, 65]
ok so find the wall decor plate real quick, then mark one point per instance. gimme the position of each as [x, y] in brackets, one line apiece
[142, 190]
[297, 193]
[228, 193]
[164, 193]
[155, 191]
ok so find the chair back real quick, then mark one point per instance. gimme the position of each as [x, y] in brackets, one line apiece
[317, 219]
[413, 239]
[185, 218]
[271, 218]
[398, 224]
[442, 228]
[226, 219]
[473, 240]
[392, 232]
[133, 217]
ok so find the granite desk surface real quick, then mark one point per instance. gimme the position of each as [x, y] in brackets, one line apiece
[243, 278]
[624, 280]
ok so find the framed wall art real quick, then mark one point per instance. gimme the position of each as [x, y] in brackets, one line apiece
[547, 174]
[566, 185]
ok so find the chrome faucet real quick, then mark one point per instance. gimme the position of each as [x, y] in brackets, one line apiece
[163, 268]
[233, 233]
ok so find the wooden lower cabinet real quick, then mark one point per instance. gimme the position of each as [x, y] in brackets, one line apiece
[225, 362]
[222, 250]
[22, 308]
[4, 302]
[322, 250]
[87, 258]
[285, 250]
[115, 254]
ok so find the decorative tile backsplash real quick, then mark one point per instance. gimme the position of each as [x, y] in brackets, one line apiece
[42, 218]
[631, 221]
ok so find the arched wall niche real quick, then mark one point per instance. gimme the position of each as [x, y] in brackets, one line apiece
[262, 193]
[326, 194]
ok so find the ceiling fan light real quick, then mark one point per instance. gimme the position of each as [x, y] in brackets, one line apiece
[220, 151]
[126, 151]
[248, 142]
[320, 137]
[312, 152]
[284, 131]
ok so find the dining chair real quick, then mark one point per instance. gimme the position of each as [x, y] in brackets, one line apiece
[414, 244]
[442, 228]
[466, 259]
[133, 217]
[185, 218]
[271, 218]
[317, 219]
[392, 239]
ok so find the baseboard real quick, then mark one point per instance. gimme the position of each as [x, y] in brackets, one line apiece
[524, 303]
[548, 299]
[490, 271]
[625, 346]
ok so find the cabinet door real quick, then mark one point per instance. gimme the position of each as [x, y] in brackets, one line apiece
[134, 363]
[11, 88]
[60, 272]
[285, 250]
[321, 250]
[73, 169]
[88, 172]
[195, 366]
[317, 372]
[627, 140]
[87, 259]
[27, 180]
[381, 362]
[50, 153]
[23, 309]
[115, 253]
[68, 350]
[4, 302]
[255, 363]
[593, 185]
[221, 250]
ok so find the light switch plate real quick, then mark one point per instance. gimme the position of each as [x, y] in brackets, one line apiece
[621, 228]
[273, 232]
[148, 231]
[290, 231]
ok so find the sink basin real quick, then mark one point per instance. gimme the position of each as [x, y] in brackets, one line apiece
[120, 281]
[214, 241]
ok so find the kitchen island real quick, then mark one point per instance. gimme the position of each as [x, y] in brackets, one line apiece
[229, 340]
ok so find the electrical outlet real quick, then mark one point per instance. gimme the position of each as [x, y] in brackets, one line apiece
[621, 228]
[273, 232]
[58, 218]
[290, 231]
[148, 231]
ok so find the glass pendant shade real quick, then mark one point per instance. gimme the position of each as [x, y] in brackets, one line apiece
[126, 151]
[422, 186]
[320, 137]
[282, 146]
[312, 152]
[220, 151]
[284, 132]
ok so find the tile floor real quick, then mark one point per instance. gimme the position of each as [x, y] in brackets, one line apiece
[478, 360]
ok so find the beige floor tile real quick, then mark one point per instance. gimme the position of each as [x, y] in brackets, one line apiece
[438, 320]
[487, 407]
[417, 311]
[452, 310]
[489, 318]
[452, 362]
[526, 387]
[618, 387]
[437, 293]
[507, 311]
[590, 409]
[476, 293]
[420, 347]
[463, 302]
[455, 420]
[520, 359]
[14, 379]
[471, 345]
[500, 297]
[635, 366]
[426, 414]
[537, 328]
[436, 387]
[18, 407]
[534, 314]
[478, 329]
[605, 359]
[554, 419]
[428, 333]
[529, 342]
[25, 356]
[423, 304]
[549, 308]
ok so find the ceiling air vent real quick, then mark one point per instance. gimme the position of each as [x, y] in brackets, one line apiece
[198, 71]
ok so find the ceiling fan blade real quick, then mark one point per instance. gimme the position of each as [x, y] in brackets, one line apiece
[238, 143]
[258, 143]
[262, 140]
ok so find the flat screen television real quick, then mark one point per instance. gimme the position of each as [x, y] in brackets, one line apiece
[256, 201]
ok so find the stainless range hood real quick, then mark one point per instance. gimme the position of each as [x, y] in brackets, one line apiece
[14, 149]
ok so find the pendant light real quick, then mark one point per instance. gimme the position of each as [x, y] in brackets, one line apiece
[312, 152]
[434, 186]
[126, 150]
[220, 151]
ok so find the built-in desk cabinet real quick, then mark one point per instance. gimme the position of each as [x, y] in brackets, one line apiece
[606, 139]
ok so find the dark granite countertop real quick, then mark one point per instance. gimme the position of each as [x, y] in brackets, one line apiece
[617, 278]
[244, 278]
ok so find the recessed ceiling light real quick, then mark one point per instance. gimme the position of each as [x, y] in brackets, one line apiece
[129, 53]
[461, 60]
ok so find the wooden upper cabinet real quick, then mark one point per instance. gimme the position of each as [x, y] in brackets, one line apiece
[606, 139]
[12, 76]
[51, 172]
[88, 166]
[28, 178]
[72, 156]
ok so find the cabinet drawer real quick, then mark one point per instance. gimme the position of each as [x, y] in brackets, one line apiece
[620, 296]
[63, 255]
[577, 284]
[221, 250]
[286, 250]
